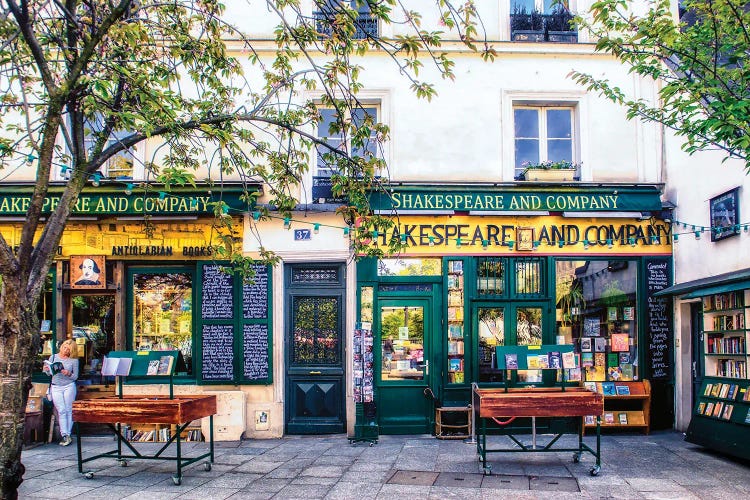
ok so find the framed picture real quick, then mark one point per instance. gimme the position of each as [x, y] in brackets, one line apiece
[88, 272]
[725, 215]
[525, 237]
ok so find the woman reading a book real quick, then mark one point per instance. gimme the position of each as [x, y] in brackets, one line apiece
[63, 387]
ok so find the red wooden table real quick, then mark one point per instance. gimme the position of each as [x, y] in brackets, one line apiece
[115, 411]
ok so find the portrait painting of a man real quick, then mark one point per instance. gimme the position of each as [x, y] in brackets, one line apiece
[87, 272]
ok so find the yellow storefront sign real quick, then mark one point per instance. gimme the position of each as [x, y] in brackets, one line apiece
[134, 239]
[549, 235]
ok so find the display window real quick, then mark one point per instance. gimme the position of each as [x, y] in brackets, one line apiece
[596, 312]
[162, 312]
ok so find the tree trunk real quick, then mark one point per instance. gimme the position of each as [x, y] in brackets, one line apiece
[17, 324]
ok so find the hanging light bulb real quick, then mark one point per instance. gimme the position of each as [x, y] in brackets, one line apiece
[96, 179]
[458, 242]
[676, 237]
[510, 244]
[632, 241]
[697, 235]
[609, 242]
[585, 244]
[346, 232]
[432, 241]
[256, 216]
[287, 222]
[485, 244]
[316, 228]
[129, 190]
[162, 195]
[561, 243]
[30, 159]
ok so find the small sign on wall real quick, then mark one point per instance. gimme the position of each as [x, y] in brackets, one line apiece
[261, 420]
[725, 215]
[301, 234]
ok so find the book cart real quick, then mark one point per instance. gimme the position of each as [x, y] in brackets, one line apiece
[559, 402]
[721, 415]
[177, 411]
[627, 405]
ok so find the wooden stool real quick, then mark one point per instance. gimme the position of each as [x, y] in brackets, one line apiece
[457, 429]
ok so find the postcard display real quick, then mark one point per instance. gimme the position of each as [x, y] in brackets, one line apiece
[228, 306]
[363, 383]
[721, 416]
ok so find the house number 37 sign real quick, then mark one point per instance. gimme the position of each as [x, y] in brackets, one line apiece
[301, 234]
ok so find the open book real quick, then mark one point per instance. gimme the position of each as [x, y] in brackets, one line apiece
[116, 366]
[54, 367]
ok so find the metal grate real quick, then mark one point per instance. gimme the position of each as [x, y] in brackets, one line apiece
[491, 276]
[315, 275]
[316, 339]
[529, 277]
[365, 25]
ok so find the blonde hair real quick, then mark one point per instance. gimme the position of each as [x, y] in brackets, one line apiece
[73, 347]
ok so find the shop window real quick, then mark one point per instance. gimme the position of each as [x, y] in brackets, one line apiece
[543, 134]
[163, 313]
[402, 343]
[596, 312]
[491, 330]
[528, 331]
[529, 277]
[410, 267]
[46, 313]
[491, 276]
[316, 338]
[366, 303]
[93, 332]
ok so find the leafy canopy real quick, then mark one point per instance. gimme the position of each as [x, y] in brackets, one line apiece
[701, 61]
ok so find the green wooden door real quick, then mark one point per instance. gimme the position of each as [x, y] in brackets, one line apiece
[405, 365]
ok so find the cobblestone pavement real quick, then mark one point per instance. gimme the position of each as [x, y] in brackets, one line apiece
[660, 465]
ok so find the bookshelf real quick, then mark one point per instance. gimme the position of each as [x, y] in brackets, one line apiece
[455, 330]
[721, 412]
[628, 408]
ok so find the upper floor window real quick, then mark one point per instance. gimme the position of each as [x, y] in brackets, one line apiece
[541, 21]
[330, 133]
[543, 133]
[365, 24]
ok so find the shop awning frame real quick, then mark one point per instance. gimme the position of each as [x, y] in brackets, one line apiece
[722, 283]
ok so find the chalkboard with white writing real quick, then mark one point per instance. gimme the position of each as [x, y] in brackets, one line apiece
[255, 347]
[217, 300]
[658, 318]
[255, 295]
[218, 354]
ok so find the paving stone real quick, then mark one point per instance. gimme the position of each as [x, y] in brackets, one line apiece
[444, 492]
[232, 480]
[324, 471]
[459, 480]
[412, 492]
[550, 483]
[358, 490]
[258, 465]
[59, 491]
[419, 478]
[303, 492]
[506, 482]
[208, 493]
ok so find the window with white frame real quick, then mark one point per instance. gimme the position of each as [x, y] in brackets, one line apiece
[543, 134]
[362, 116]
[120, 165]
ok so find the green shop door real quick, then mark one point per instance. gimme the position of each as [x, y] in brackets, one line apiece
[403, 338]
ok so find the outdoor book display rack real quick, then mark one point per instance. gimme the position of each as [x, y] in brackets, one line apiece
[560, 402]
[178, 411]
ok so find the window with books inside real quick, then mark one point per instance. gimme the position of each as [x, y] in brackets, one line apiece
[596, 312]
[456, 367]
[163, 312]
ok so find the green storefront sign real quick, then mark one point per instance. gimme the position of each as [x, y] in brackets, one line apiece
[506, 199]
[108, 201]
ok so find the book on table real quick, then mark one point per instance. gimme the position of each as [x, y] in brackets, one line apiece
[511, 361]
[569, 360]
[165, 365]
[116, 366]
[153, 367]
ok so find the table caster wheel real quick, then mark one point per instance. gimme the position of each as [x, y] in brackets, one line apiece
[595, 470]
[207, 466]
[576, 458]
[123, 463]
[88, 475]
[177, 480]
[372, 444]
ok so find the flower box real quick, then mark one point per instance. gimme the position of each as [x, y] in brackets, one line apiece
[549, 174]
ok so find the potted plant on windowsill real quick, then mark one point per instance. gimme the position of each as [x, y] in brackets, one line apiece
[550, 171]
